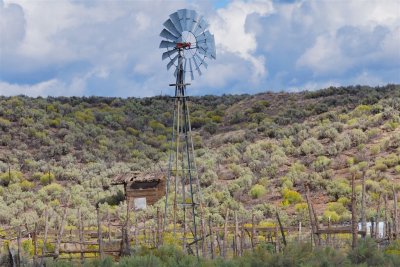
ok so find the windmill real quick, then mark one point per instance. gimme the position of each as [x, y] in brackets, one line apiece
[188, 44]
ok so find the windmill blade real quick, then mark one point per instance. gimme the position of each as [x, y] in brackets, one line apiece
[166, 34]
[202, 61]
[212, 47]
[175, 20]
[167, 44]
[184, 65]
[169, 53]
[205, 52]
[197, 66]
[172, 62]
[193, 20]
[169, 25]
[182, 18]
[201, 27]
[191, 69]
[204, 36]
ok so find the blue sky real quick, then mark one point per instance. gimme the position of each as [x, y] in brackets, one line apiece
[110, 48]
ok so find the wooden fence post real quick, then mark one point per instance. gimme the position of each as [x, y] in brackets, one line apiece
[211, 239]
[281, 228]
[378, 210]
[46, 230]
[225, 234]
[35, 245]
[395, 214]
[313, 223]
[253, 231]
[299, 229]
[81, 240]
[19, 247]
[237, 235]
[354, 224]
[61, 230]
[158, 242]
[386, 232]
[277, 243]
[99, 233]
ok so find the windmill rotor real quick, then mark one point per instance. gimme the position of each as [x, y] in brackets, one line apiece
[186, 35]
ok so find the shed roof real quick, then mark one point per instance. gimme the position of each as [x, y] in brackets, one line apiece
[137, 176]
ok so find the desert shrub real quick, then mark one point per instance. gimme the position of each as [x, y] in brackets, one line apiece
[211, 127]
[375, 149]
[321, 163]
[7, 178]
[257, 191]
[331, 216]
[344, 200]
[312, 146]
[139, 261]
[208, 178]
[47, 178]
[4, 124]
[338, 188]
[291, 196]
[397, 169]
[367, 252]
[26, 185]
[391, 160]
[336, 207]
[357, 137]
[53, 190]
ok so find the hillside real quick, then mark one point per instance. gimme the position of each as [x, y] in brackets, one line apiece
[253, 151]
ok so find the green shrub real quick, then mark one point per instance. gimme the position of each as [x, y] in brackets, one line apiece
[148, 260]
[257, 191]
[330, 215]
[336, 207]
[11, 177]
[26, 185]
[397, 169]
[312, 146]
[47, 178]
[291, 196]
[321, 163]
[367, 252]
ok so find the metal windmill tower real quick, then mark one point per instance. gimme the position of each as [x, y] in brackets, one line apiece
[188, 44]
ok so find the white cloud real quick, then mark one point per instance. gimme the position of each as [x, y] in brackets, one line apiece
[111, 47]
[229, 25]
[51, 87]
[12, 26]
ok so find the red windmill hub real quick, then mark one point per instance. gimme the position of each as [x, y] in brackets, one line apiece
[183, 45]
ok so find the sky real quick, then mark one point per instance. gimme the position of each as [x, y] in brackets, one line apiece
[111, 48]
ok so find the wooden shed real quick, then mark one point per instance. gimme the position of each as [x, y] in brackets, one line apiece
[141, 189]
